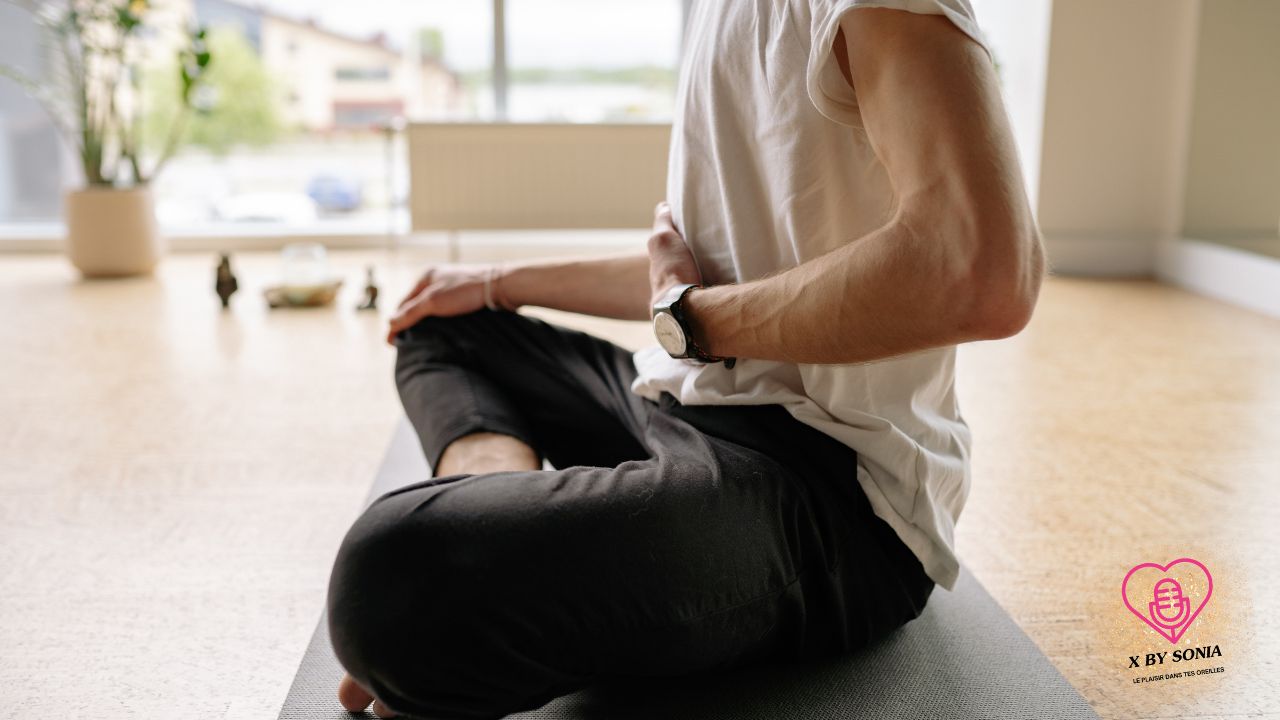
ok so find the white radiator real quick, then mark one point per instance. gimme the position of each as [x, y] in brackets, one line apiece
[503, 176]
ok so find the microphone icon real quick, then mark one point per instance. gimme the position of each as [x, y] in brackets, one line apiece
[1168, 607]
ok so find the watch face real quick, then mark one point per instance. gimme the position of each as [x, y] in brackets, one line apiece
[670, 334]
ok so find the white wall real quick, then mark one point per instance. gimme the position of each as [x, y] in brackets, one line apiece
[1018, 33]
[1233, 185]
[1113, 165]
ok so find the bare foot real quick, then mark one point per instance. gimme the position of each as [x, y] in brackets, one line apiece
[355, 698]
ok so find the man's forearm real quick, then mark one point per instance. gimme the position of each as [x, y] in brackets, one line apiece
[960, 261]
[889, 293]
[613, 287]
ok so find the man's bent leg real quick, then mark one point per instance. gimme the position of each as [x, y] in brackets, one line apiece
[564, 393]
[459, 378]
[478, 596]
[471, 454]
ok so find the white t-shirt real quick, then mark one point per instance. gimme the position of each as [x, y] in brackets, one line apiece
[769, 168]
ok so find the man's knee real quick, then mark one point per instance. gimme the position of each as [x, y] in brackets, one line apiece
[429, 329]
[357, 590]
[459, 330]
[412, 597]
[460, 340]
[392, 564]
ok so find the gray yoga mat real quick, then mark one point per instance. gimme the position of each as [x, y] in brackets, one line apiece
[963, 658]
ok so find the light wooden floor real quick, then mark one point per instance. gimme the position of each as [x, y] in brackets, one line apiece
[174, 481]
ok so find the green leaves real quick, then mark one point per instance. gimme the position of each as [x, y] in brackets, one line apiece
[234, 104]
[193, 62]
[92, 89]
[126, 19]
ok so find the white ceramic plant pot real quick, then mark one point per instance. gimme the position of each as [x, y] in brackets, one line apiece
[112, 233]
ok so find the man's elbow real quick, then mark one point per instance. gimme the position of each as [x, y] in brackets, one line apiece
[1004, 319]
[1004, 285]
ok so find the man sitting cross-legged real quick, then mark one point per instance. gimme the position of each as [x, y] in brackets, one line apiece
[781, 476]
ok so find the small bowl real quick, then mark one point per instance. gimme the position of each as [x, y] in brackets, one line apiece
[317, 295]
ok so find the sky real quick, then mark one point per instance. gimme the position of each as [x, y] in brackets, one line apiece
[540, 33]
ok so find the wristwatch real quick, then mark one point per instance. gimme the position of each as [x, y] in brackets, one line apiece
[672, 328]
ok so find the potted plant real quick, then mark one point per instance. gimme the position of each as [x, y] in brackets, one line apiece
[93, 93]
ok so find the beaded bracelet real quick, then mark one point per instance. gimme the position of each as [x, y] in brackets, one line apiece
[488, 288]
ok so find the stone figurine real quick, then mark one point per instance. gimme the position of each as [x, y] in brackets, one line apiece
[370, 292]
[226, 283]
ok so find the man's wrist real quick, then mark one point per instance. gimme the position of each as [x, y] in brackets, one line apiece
[507, 286]
[694, 311]
[664, 287]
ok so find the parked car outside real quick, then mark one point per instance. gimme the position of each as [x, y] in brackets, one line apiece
[334, 194]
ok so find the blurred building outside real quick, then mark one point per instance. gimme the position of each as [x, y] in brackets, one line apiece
[330, 81]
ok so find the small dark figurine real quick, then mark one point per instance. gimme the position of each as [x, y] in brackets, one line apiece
[370, 292]
[226, 284]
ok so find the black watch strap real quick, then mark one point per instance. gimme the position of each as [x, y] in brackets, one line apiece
[694, 350]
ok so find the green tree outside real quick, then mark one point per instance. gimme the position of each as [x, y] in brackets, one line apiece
[431, 44]
[238, 106]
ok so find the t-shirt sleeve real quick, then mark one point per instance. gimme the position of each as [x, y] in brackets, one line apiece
[828, 89]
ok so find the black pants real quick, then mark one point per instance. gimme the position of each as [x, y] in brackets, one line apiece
[671, 539]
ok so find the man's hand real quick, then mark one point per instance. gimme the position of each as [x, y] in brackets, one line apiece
[444, 291]
[670, 261]
[606, 287]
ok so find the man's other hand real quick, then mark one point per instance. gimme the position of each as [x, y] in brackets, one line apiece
[670, 261]
[443, 291]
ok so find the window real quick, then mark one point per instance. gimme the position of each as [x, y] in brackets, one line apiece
[33, 160]
[304, 92]
[358, 74]
[339, 75]
[593, 61]
[307, 91]
[366, 115]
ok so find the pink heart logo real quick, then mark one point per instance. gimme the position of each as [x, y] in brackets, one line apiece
[1169, 597]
